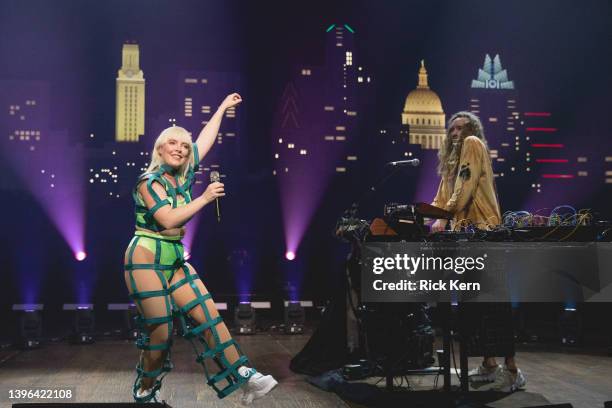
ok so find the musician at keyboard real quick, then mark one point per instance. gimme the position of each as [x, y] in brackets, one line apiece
[467, 190]
[466, 187]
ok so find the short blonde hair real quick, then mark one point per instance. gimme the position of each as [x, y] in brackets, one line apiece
[182, 135]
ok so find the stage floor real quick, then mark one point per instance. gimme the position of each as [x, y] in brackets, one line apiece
[104, 372]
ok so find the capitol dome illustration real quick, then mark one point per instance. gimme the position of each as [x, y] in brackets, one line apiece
[424, 115]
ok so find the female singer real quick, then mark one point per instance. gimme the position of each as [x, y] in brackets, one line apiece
[164, 285]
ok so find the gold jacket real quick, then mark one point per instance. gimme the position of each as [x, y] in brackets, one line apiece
[471, 196]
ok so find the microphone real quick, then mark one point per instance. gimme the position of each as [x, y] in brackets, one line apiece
[402, 163]
[214, 177]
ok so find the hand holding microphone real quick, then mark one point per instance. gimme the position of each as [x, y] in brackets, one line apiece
[215, 190]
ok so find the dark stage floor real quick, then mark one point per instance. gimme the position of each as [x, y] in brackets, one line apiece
[104, 371]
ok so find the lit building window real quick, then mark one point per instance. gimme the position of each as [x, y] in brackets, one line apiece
[492, 119]
[582, 159]
[290, 145]
[340, 128]
[306, 72]
[340, 169]
[280, 140]
[329, 138]
[583, 173]
[191, 81]
[303, 152]
[359, 79]
[351, 158]
[328, 108]
[349, 58]
[276, 156]
[341, 138]
[351, 113]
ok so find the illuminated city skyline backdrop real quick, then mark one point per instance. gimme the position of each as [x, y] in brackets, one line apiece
[317, 124]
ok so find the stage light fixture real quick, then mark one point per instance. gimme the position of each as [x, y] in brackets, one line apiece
[570, 326]
[83, 323]
[129, 313]
[80, 255]
[28, 325]
[295, 317]
[245, 318]
[290, 255]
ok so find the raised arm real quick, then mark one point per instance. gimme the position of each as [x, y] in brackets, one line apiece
[208, 135]
[169, 217]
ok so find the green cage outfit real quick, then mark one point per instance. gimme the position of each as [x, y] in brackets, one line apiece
[169, 257]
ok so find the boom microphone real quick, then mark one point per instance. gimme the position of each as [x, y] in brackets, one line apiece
[402, 163]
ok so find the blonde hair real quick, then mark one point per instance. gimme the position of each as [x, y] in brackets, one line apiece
[156, 160]
[449, 154]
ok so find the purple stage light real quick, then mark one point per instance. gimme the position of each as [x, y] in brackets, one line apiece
[60, 189]
[241, 263]
[80, 255]
[190, 232]
[290, 255]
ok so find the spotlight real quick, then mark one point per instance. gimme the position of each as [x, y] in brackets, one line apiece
[83, 323]
[29, 325]
[80, 255]
[290, 255]
[245, 318]
[294, 318]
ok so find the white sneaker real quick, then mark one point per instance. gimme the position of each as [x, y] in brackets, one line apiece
[146, 393]
[483, 374]
[506, 382]
[257, 386]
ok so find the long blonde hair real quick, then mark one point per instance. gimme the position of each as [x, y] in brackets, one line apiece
[156, 161]
[448, 154]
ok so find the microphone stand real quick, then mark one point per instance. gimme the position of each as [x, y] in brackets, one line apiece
[353, 210]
